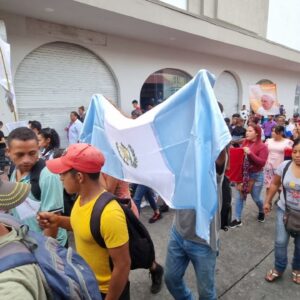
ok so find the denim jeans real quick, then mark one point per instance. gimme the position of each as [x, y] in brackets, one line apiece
[281, 245]
[255, 193]
[140, 192]
[180, 252]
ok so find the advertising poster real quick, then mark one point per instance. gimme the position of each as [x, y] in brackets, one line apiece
[263, 99]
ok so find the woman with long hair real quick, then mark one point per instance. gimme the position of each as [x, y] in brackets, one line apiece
[276, 146]
[287, 175]
[256, 154]
[49, 142]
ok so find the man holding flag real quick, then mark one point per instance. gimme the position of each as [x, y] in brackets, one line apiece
[185, 246]
[174, 149]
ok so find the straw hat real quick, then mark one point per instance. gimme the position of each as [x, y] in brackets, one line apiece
[12, 194]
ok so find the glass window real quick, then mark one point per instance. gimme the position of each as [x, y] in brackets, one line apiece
[264, 81]
[178, 3]
[161, 85]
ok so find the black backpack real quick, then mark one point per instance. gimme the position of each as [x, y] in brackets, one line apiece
[141, 247]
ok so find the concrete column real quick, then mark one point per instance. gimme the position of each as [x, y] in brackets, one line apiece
[209, 8]
[5, 114]
[194, 6]
[3, 31]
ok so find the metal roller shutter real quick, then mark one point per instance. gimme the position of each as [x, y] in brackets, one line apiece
[226, 91]
[56, 79]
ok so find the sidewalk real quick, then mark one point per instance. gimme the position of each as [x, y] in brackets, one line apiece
[245, 256]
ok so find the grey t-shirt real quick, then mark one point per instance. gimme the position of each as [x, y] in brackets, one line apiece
[292, 186]
[185, 222]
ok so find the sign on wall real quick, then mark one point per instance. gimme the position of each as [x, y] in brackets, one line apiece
[263, 99]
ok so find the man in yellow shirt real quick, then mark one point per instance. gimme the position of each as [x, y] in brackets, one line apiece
[79, 170]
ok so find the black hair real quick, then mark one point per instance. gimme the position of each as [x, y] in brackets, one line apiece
[1, 123]
[296, 142]
[50, 133]
[81, 107]
[236, 115]
[134, 101]
[75, 113]
[35, 125]
[91, 176]
[22, 134]
[279, 129]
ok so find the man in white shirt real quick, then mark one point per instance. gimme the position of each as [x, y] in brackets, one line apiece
[74, 128]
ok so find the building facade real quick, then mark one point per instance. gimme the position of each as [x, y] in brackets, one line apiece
[64, 51]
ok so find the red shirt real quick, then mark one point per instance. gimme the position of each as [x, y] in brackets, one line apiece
[258, 155]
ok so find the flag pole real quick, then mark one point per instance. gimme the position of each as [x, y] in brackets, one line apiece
[8, 84]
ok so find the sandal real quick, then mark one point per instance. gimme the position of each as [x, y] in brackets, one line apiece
[273, 275]
[296, 277]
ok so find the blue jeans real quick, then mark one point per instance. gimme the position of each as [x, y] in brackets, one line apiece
[281, 245]
[180, 252]
[255, 193]
[140, 192]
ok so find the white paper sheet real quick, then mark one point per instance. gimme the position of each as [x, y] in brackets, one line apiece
[28, 209]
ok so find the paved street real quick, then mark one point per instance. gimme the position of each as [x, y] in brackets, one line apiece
[246, 254]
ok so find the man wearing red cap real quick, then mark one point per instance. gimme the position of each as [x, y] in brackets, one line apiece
[79, 169]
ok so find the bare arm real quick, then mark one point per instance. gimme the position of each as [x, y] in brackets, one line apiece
[221, 158]
[275, 185]
[121, 261]
[50, 222]
[108, 182]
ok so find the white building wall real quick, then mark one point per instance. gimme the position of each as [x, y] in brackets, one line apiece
[287, 30]
[133, 61]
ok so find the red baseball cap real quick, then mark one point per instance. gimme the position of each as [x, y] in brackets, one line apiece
[80, 157]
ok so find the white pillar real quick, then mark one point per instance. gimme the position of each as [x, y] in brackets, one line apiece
[3, 31]
[5, 114]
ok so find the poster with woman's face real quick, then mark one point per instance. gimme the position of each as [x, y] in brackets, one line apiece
[263, 99]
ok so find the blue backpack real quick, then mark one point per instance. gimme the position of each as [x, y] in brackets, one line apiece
[67, 275]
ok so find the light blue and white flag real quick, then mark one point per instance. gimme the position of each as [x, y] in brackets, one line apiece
[172, 148]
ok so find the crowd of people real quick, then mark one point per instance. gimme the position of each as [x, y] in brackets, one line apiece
[67, 183]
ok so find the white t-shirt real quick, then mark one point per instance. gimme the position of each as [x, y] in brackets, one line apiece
[74, 132]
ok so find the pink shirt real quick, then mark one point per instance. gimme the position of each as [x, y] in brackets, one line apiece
[276, 151]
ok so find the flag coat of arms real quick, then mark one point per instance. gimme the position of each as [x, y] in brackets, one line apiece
[172, 148]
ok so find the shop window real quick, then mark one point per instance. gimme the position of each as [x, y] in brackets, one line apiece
[178, 3]
[161, 85]
[264, 81]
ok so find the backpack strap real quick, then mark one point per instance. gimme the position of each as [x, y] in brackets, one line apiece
[282, 178]
[95, 221]
[35, 177]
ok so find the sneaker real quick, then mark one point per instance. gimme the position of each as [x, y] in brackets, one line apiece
[235, 223]
[261, 217]
[156, 277]
[164, 208]
[155, 217]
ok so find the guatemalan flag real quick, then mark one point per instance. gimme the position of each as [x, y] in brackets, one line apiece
[172, 148]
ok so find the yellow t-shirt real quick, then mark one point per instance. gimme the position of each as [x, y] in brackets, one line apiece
[113, 230]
